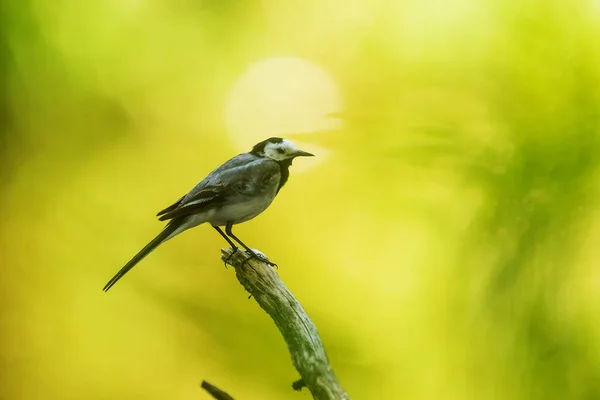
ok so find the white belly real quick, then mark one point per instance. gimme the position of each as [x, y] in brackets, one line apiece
[239, 212]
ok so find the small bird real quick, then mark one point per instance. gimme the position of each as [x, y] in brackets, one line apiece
[237, 191]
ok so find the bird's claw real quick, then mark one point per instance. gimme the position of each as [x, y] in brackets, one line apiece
[250, 255]
[233, 251]
[260, 257]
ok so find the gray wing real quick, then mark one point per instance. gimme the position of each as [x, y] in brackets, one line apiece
[240, 180]
[237, 161]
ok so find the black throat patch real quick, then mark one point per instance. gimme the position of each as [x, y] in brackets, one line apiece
[284, 165]
[284, 169]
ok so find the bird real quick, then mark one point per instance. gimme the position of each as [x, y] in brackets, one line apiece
[235, 192]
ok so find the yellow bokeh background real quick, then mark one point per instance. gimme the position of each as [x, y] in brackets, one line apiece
[444, 239]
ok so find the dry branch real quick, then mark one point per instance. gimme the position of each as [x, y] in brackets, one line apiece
[215, 392]
[303, 341]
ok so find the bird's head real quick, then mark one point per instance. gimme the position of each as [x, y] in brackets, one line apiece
[278, 149]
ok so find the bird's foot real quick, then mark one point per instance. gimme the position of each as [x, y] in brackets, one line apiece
[260, 257]
[234, 250]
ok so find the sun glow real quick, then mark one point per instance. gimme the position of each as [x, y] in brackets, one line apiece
[282, 97]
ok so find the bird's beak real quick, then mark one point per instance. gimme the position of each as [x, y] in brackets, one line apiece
[301, 153]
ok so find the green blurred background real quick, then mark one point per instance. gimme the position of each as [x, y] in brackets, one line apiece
[444, 241]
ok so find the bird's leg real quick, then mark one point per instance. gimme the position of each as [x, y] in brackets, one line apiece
[234, 248]
[248, 249]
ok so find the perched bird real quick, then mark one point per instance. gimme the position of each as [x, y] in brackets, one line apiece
[235, 192]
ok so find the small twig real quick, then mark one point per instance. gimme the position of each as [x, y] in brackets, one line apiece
[298, 385]
[298, 331]
[215, 391]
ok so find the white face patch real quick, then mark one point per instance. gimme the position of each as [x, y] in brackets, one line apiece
[280, 151]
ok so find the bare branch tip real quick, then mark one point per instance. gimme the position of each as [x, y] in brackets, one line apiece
[215, 392]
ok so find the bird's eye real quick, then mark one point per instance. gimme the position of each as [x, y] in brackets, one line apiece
[280, 150]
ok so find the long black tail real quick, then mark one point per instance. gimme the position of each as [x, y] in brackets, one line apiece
[170, 228]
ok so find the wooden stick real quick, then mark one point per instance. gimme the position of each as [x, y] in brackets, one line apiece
[303, 341]
[215, 392]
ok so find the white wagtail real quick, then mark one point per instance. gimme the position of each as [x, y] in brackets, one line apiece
[235, 192]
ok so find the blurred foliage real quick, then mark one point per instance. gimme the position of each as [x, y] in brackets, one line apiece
[445, 244]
